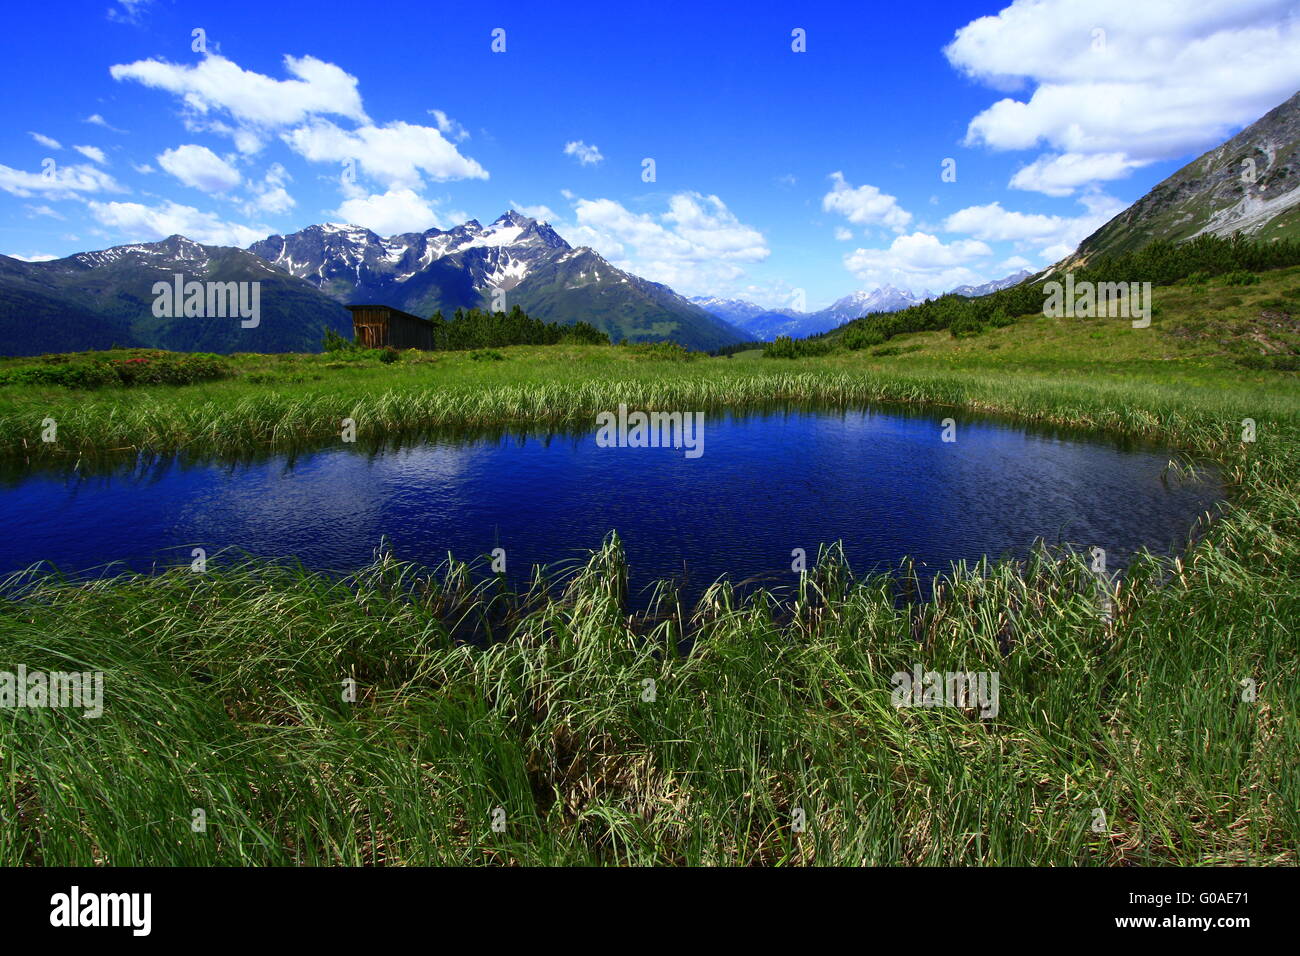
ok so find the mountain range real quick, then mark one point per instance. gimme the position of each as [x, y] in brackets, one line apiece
[762, 324]
[99, 299]
[766, 324]
[463, 267]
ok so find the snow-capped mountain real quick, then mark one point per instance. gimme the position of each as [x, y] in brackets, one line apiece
[884, 299]
[351, 261]
[997, 285]
[472, 265]
[735, 311]
[768, 324]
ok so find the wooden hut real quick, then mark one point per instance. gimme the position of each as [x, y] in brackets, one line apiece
[375, 326]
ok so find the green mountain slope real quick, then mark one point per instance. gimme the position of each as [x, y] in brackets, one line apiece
[582, 284]
[95, 300]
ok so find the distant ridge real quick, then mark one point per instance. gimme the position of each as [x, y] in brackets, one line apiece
[766, 325]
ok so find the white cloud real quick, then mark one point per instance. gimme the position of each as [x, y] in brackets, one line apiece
[842, 234]
[919, 261]
[395, 155]
[158, 222]
[60, 182]
[695, 246]
[44, 211]
[864, 205]
[540, 213]
[1014, 264]
[270, 196]
[256, 103]
[1162, 78]
[48, 142]
[247, 141]
[143, 168]
[34, 257]
[995, 224]
[1052, 237]
[1100, 210]
[200, 168]
[584, 154]
[449, 127]
[707, 224]
[92, 153]
[96, 120]
[1062, 174]
[127, 11]
[398, 210]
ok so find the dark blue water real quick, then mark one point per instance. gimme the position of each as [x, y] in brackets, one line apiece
[882, 482]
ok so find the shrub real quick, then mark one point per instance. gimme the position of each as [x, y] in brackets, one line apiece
[336, 343]
[487, 355]
[82, 375]
[474, 329]
[786, 347]
[159, 369]
[780, 347]
[1240, 277]
[169, 370]
[859, 337]
[966, 326]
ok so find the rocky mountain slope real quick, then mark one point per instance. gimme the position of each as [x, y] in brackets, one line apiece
[1248, 184]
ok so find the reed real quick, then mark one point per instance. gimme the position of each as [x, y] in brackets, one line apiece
[200, 419]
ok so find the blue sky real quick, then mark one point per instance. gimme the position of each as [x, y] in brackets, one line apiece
[791, 178]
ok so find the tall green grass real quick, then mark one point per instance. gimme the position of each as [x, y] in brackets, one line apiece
[249, 419]
[224, 694]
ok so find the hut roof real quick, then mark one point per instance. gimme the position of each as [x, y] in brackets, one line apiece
[354, 309]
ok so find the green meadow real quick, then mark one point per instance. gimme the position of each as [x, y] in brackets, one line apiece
[1150, 721]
